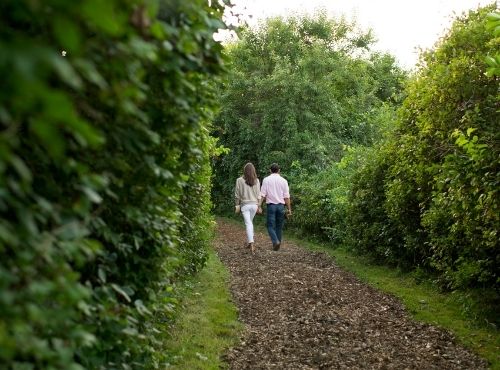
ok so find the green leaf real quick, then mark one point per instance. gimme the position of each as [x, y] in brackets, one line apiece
[84, 133]
[144, 49]
[21, 168]
[50, 137]
[143, 310]
[67, 33]
[65, 71]
[493, 16]
[121, 292]
[90, 72]
[92, 195]
[470, 130]
[157, 30]
[491, 61]
[71, 230]
[102, 274]
[104, 17]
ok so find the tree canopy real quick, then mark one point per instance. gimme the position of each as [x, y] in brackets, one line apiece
[300, 90]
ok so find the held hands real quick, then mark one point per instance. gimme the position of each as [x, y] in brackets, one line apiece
[237, 209]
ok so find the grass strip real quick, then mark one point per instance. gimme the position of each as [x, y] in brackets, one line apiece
[207, 323]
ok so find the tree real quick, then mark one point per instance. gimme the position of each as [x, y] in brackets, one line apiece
[299, 90]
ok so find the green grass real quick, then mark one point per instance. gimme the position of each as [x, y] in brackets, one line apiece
[423, 300]
[207, 322]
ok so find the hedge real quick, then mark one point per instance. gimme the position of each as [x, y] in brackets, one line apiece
[438, 175]
[104, 175]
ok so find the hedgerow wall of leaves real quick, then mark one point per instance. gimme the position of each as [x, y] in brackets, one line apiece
[429, 196]
[104, 175]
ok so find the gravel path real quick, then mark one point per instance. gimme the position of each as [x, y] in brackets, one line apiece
[301, 311]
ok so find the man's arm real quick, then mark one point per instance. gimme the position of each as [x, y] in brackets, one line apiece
[288, 206]
[286, 197]
[261, 200]
[259, 205]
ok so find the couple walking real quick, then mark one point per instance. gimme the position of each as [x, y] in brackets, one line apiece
[249, 197]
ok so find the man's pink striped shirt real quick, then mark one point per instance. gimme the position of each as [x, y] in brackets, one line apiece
[275, 189]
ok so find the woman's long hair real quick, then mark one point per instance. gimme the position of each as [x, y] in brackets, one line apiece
[249, 174]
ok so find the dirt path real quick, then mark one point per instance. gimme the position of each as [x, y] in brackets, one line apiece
[301, 311]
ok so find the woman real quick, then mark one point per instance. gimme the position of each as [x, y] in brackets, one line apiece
[247, 200]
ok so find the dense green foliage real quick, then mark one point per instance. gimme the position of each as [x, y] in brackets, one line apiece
[104, 175]
[430, 196]
[299, 90]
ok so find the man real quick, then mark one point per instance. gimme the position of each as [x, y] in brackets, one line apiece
[276, 193]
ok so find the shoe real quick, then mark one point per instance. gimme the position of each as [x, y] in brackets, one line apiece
[252, 247]
[276, 246]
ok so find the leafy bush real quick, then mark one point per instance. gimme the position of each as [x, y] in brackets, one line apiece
[438, 188]
[322, 199]
[370, 229]
[104, 172]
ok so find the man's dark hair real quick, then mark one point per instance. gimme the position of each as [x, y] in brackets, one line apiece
[275, 168]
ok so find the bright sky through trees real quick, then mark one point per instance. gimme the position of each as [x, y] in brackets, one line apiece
[401, 26]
